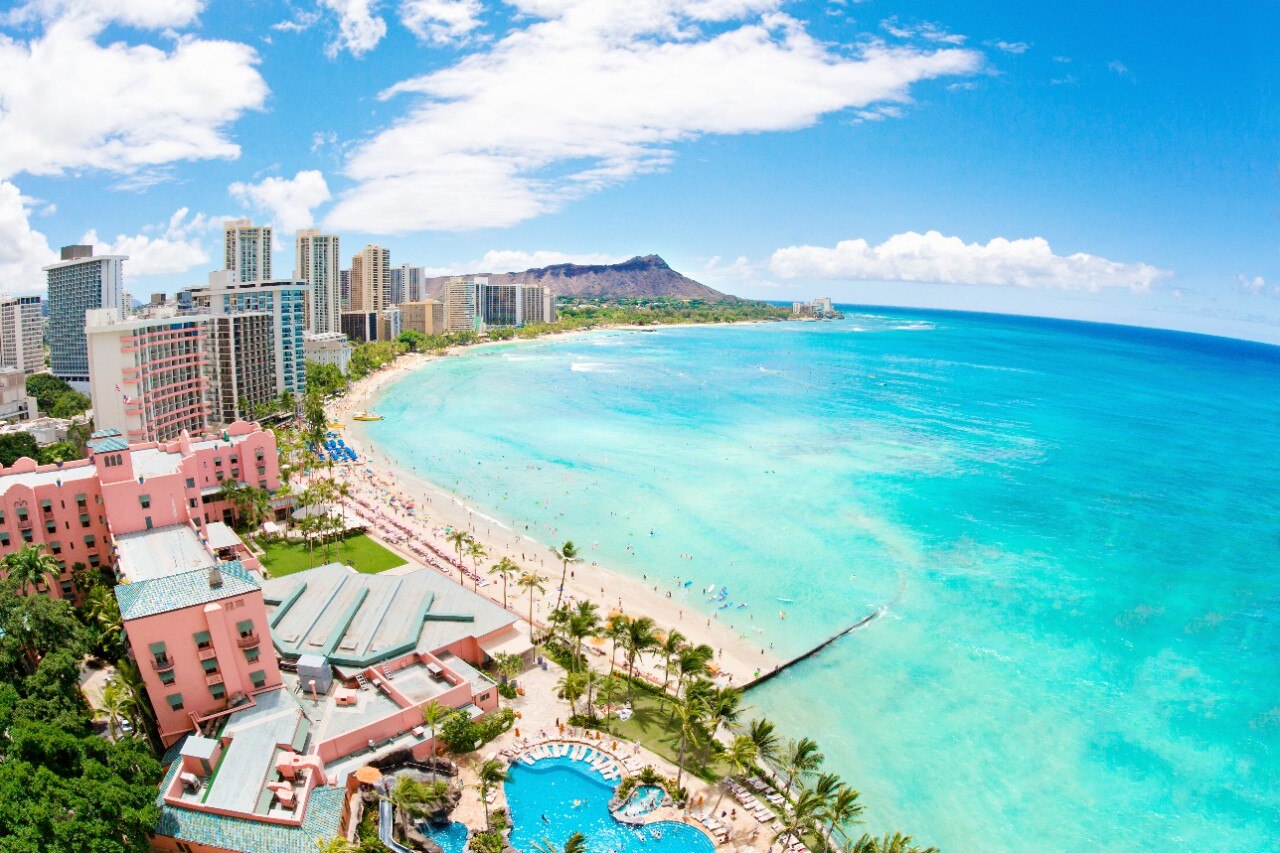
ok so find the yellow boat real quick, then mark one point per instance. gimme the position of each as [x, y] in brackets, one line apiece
[366, 416]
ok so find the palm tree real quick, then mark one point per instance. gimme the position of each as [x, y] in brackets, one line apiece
[459, 539]
[762, 734]
[416, 799]
[113, 703]
[800, 817]
[492, 773]
[610, 692]
[692, 662]
[841, 811]
[891, 843]
[29, 566]
[532, 581]
[576, 843]
[640, 638]
[584, 622]
[476, 552]
[337, 844]
[138, 707]
[343, 491]
[670, 648]
[615, 628]
[590, 681]
[689, 716]
[741, 754]
[566, 554]
[433, 714]
[505, 569]
[726, 706]
[801, 759]
[571, 688]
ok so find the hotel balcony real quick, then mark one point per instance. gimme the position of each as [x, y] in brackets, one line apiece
[205, 654]
[249, 641]
[24, 523]
[162, 664]
[213, 678]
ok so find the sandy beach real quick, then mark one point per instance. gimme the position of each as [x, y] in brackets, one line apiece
[738, 660]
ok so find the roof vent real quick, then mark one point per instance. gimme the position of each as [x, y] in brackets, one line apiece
[215, 577]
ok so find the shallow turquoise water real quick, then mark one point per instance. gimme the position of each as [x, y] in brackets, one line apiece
[557, 797]
[1072, 531]
[451, 838]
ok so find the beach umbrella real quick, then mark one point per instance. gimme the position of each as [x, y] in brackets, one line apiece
[368, 774]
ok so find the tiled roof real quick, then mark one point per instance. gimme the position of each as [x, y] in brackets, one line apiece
[105, 433]
[174, 592]
[320, 822]
[104, 445]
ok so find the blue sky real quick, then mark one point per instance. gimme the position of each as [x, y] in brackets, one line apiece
[1094, 160]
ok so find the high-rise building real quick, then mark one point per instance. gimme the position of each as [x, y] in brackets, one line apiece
[537, 305]
[462, 303]
[79, 282]
[15, 405]
[371, 280]
[425, 317]
[284, 302]
[247, 250]
[344, 289]
[501, 304]
[406, 284]
[147, 373]
[21, 333]
[242, 364]
[317, 262]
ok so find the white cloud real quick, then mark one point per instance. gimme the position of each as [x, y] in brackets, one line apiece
[933, 257]
[926, 30]
[68, 102]
[595, 92]
[1014, 47]
[289, 201]
[175, 249]
[145, 14]
[1115, 66]
[1256, 286]
[359, 29]
[23, 250]
[441, 21]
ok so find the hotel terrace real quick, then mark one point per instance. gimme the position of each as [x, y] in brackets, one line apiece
[269, 692]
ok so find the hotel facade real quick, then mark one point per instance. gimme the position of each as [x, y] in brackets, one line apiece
[78, 283]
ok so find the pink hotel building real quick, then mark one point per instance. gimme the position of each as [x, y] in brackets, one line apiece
[269, 692]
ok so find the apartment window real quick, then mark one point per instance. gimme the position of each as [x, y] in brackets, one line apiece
[54, 547]
[65, 586]
[175, 701]
[217, 691]
[167, 677]
[84, 519]
[262, 470]
[210, 665]
[191, 482]
[1, 516]
[251, 655]
[90, 541]
[80, 500]
[234, 459]
[22, 513]
[148, 521]
[258, 677]
[46, 505]
[94, 560]
[262, 484]
[26, 536]
[192, 502]
[51, 526]
[145, 500]
[203, 640]
[245, 628]
[4, 538]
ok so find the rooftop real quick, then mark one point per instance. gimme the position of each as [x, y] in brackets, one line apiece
[149, 554]
[52, 476]
[184, 589]
[359, 620]
[319, 823]
[256, 736]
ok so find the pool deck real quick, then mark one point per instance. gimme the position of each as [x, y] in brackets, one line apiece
[538, 716]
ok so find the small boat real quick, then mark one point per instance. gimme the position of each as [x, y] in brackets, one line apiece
[366, 416]
[786, 600]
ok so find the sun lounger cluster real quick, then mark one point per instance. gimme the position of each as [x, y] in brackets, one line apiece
[748, 801]
[718, 830]
[608, 765]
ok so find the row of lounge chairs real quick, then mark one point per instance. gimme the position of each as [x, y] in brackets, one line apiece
[762, 813]
[718, 830]
[600, 761]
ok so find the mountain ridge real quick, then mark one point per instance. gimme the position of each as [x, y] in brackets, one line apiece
[642, 276]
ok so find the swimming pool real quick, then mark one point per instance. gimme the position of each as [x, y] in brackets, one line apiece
[643, 800]
[556, 797]
[451, 838]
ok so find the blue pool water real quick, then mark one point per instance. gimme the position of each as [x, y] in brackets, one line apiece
[451, 838]
[643, 800]
[1073, 532]
[542, 800]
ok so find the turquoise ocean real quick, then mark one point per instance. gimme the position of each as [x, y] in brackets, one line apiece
[1071, 532]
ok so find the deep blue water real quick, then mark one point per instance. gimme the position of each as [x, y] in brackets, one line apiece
[1073, 533]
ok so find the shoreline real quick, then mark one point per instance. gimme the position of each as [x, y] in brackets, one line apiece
[739, 660]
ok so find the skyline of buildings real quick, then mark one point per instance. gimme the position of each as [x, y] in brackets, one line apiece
[247, 249]
[79, 282]
[318, 262]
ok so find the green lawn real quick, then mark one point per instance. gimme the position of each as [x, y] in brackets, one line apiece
[652, 728]
[360, 552]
